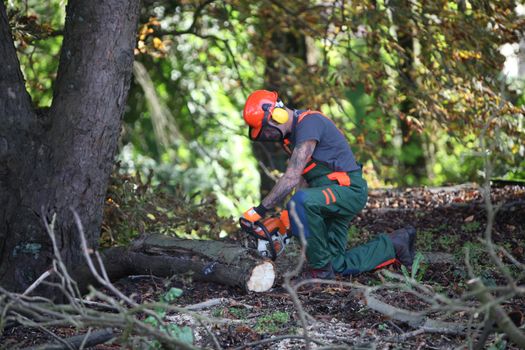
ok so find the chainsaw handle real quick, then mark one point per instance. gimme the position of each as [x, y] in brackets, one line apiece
[249, 227]
[245, 223]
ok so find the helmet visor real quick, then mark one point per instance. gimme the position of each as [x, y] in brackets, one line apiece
[266, 133]
[270, 133]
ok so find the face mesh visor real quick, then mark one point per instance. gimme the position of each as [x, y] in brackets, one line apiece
[270, 133]
[267, 132]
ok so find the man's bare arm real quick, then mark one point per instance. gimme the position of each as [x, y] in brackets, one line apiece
[300, 156]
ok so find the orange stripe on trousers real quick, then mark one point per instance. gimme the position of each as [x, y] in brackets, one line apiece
[332, 194]
[326, 196]
[386, 263]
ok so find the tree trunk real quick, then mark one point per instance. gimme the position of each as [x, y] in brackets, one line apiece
[211, 261]
[413, 162]
[61, 161]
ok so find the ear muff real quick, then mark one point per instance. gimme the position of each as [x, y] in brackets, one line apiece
[280, 115]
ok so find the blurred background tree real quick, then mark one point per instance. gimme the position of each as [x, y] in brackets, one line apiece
[411, 84]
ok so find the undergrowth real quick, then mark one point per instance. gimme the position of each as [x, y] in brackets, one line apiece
[134, 207]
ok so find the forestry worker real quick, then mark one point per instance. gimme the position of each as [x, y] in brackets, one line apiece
[329, 190]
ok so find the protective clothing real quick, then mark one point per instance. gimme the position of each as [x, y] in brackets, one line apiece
[260, 107]
[325, 209]
[404, 240]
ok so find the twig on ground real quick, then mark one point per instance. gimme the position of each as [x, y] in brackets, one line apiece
[404, 336]
[414, 319]
[211, 335]
[103, 280]
[275, 339]
[205, 304]
[498, 314]
[38, 281]
[393, 324]
[63, 342]
[97, 305]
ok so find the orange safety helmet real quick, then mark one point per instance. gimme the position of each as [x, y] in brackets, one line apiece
[257, 111]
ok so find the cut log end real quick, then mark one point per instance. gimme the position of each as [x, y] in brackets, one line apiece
[262, 277]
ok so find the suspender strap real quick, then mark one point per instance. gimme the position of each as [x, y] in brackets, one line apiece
[286, 146]
[314, 169]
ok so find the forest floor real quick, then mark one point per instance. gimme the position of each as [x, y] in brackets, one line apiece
[447, 220]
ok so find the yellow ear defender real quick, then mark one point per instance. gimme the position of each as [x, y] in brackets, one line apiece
[280, 115]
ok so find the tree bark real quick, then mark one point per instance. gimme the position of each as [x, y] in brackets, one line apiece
[16, 138]
[210, 261]
[61, 161]
[413, 162]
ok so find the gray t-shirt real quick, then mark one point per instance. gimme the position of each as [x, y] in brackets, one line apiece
[332, 147]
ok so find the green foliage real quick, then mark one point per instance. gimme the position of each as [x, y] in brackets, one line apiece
[34, 24]
[448, 241]
[435, 239]
[184, 334]
[231, 312]
[134, 206]
[353, 231]
[238, 312]
[499, 342]
[411, 84]
[382, 327]
[411, 122]
[470, 227]
[171, 295]
[271, 323]
[478, 259]
[418, 269]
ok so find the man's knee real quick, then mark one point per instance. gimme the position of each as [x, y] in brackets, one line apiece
[302, 201]
[297, 201]
[297, 209]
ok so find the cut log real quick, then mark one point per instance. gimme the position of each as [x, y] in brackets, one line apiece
[212, 261]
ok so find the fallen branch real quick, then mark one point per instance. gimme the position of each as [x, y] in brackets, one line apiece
[79, 341]
[497, 313]
[39, 280]
[414, 319]
[404, 336]
[205, 304]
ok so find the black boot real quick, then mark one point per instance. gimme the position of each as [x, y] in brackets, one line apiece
[404, 240]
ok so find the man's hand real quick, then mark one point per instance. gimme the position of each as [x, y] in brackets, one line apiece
[300, 156]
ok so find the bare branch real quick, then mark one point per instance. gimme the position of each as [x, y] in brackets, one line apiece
[498, 314]
[39, 280]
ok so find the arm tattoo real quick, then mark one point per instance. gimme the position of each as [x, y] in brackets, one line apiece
[300, 156]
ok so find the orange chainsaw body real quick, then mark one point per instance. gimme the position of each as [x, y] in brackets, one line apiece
[272, 234]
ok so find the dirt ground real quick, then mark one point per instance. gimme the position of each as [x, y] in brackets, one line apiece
[447, 220]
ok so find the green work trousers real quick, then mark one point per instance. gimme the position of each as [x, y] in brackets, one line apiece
[324, 211]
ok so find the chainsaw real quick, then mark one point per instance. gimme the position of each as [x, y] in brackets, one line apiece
[270, 235]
